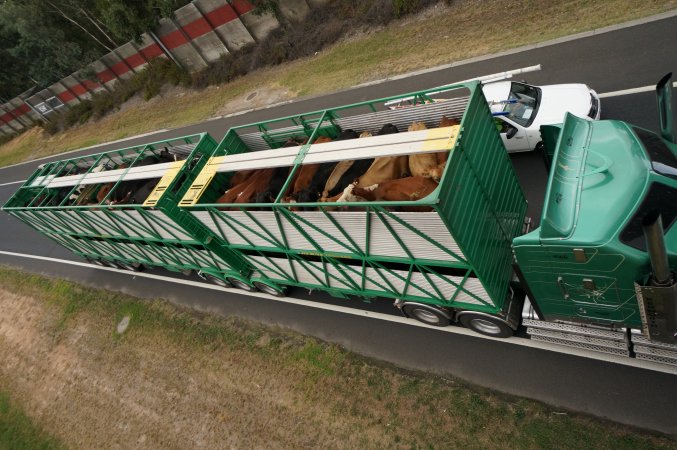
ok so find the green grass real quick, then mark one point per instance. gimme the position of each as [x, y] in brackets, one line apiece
[18, 431]
[377, 404]
[463, 30]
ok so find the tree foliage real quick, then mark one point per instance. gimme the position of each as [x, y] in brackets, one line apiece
[45, 40]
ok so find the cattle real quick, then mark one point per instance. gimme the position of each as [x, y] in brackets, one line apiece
[345, 172]
[136, 191]
[314, 190]
[403, 189]
[443, 156]
[422, 164]
[304, 176]
[386, 167]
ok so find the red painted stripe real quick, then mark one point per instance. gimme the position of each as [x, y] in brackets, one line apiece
[79, 89]
[135, 60]
[242, 6]
[174, 39]
[90, 85]
[7, 118]
[23, 109]
[66, 96]
[106, 76]
[151, 51]
[221, 15]
[197, 28]
[119, 68]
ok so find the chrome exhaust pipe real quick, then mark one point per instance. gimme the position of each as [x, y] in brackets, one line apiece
[655, 246]
[658, 298]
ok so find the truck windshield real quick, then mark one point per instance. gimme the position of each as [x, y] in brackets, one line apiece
[522, 103]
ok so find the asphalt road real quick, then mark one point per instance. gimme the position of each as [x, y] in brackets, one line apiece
[634, 394]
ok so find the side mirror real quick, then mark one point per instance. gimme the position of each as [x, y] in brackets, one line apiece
[511, 133]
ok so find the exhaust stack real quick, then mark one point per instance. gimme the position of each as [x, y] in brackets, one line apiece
[658, 300]
[664, 97]
[655, 246]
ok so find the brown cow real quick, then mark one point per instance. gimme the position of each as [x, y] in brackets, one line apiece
[403, 189]
[422, 164]
[443, 156]
[304, 176]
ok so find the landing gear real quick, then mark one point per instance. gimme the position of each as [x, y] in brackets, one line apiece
[270, 288]
[427, 314]
[486, 325]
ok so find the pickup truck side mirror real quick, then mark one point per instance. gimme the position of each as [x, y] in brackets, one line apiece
[511, 133]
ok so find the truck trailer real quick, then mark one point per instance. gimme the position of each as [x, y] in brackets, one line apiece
[598, 272]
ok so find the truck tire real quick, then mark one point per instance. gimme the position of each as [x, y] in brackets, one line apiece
[270, 288]
[239, 284]
[96, 261]
[486, 325]
[217, 281]
[429, 315]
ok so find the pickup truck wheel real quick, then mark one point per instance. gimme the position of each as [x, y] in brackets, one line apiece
[486, 325]
[217, 281]
[429, 315]
[240, 284]
[270, 288]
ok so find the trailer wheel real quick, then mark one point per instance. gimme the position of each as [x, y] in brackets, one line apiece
[240, 284]
[486, 325]
[217, 281]
[109, 263]
[96, 261]
[429, 315]
[270, 288]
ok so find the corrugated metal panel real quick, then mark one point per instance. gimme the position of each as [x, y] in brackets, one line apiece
[249, 232]
[383, 280]
[272, 267]
[308, 277]
[383, 243]
[430, 114]
[331, 239]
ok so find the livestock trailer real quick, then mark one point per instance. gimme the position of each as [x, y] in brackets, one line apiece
[457, 255]
[83, 203]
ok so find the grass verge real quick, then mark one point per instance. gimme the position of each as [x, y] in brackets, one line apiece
[441, 35]
[179, 379]
[18, 431]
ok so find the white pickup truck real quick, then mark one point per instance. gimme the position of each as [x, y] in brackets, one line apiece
[520, 109]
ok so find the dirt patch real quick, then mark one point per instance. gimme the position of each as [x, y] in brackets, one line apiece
[260, 97]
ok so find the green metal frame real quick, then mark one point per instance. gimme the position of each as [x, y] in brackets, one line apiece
[163, 235]
[478, 203]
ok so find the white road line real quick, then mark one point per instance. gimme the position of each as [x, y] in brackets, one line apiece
[150, 133]
[12, 182]
[631, 91]
[374, 315]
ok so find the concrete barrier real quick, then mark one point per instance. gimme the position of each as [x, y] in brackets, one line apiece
[198, 34]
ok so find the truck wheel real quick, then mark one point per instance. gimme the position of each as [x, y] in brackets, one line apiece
[270, 288]
[96, 261]
[109, 263]
[486, 325]
[217, 281]
[429, 315]
[240, 284]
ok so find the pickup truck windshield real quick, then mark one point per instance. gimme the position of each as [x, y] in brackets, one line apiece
[522, 103]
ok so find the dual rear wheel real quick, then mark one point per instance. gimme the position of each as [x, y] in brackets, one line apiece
[478, 322]
[268, 288]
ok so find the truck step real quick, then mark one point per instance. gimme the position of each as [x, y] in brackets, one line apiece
[654, 351]
[605, 341]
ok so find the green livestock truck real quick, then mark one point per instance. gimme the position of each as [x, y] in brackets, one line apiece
[599, 271]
